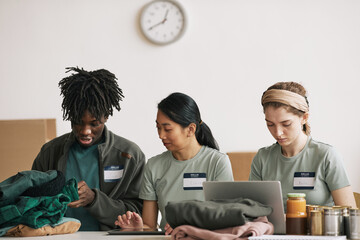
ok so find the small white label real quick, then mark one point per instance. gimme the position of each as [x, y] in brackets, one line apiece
[193, 181]
[304, 180]
[113, 173]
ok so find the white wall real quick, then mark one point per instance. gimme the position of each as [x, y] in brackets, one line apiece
[232, 51]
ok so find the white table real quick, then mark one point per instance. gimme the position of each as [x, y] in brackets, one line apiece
[92, 236]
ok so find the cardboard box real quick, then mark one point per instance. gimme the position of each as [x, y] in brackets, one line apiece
[357, 199]
[241, 164]
[20, 143]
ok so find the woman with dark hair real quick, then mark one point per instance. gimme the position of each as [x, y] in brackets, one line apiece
[299, 162]
[178, 173]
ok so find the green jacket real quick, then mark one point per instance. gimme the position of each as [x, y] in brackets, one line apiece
[113, 198]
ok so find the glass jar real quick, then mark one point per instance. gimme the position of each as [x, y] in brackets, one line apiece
[310, 208]
[333, 221]
[296, 217]
[316, 222]
[344, 220]
[354, 223]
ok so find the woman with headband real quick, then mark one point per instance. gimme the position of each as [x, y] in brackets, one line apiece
[178, 173]
[299, 162]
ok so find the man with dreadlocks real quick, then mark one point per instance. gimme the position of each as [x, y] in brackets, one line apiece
[108, 168]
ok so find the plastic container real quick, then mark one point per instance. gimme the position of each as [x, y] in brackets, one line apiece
[296, 217]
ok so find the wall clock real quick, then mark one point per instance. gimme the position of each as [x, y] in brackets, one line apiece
[163, 21]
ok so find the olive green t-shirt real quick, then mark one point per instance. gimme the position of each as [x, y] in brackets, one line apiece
[167, 179]
[316, 171]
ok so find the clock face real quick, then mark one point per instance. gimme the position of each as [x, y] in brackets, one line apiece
[163, 21]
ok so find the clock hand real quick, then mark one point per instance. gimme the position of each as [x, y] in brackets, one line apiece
[165, 18]
[162, 22]
[150, 28]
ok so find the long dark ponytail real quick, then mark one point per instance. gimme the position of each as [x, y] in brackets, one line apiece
[183, 110]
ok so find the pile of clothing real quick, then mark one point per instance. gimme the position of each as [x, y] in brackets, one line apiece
[33, 203]
[225, 219]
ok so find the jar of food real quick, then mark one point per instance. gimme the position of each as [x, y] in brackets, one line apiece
[316, 222]
[344, 220]
[296, 217]
[354, 223]
[333, 221]
[346, 217]
[310, 208]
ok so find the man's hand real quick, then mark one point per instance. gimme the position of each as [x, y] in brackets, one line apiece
[86, 196]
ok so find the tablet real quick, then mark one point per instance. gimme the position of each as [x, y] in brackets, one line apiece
[136, 231]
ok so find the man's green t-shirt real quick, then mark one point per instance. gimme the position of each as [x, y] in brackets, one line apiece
[83, 164]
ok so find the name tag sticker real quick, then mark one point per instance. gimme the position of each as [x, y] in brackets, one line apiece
[193, 181]
[113, 173]
[304, 180]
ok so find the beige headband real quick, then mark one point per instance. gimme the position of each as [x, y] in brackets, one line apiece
[286, 97]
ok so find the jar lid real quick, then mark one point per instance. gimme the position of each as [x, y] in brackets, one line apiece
[296, 195]
[341, 207]
[315, 212]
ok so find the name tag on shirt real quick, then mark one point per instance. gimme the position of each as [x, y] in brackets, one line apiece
[304, 180]
[193, 181]
[113, 173]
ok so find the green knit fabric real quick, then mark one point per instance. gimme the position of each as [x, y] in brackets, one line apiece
[14, 186]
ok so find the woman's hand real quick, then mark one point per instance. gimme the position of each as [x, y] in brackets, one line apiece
[168, 229]
[129, 220]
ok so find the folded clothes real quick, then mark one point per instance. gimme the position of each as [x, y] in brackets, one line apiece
[50, 188]
[34, 212]
[257, 227]
[65, 226]
[215, 214]
[14, 186]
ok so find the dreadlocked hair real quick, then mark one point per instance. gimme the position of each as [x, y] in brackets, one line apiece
[96, 91]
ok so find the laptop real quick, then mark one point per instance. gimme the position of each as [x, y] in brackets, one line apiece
[265, 192]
